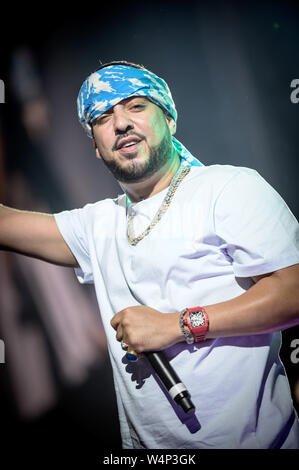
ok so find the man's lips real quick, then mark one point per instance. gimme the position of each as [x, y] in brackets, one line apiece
[128, 143]
[130, 148]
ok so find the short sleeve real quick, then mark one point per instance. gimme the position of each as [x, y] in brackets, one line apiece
[72, 226]
[259, 232]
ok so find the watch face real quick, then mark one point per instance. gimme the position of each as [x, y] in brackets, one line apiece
[197, 319]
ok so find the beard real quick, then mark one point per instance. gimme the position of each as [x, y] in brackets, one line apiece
[139, 171]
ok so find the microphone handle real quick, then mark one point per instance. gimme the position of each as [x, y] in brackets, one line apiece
[169, 378]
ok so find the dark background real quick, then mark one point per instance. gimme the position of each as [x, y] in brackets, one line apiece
[229, 66]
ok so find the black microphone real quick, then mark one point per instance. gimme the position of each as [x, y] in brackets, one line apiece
[169, 378]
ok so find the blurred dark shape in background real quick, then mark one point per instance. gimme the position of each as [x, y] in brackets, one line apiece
[229, 66]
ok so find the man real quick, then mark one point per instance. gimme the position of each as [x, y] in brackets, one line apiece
[200, 262]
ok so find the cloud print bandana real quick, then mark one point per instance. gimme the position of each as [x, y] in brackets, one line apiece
[108, 86]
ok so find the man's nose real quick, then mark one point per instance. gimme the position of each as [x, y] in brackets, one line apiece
[121, 121]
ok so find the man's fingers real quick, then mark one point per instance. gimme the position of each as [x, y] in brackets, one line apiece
[115, 321]
[119, 333]
[121, 323]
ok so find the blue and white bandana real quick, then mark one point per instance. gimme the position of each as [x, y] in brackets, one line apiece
[108, 86]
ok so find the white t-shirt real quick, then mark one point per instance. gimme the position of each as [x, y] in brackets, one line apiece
[224, 225]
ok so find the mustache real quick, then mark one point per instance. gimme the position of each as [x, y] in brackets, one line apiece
[125, 135]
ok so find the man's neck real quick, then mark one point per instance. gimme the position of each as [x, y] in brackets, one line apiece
[154, 184]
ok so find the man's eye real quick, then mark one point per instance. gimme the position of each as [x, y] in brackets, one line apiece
[138, 106]
[102, 119]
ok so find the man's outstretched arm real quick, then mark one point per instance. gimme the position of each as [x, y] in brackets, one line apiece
[271, 304]
[34, 234]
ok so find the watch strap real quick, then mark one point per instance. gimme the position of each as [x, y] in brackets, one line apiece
[189, 338]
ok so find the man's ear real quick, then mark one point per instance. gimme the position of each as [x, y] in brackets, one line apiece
[98, 155]
[171, 125]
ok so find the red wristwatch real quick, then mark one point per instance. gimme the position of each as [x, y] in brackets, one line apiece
[196, 319]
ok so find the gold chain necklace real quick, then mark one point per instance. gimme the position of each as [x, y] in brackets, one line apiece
[180, 174]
